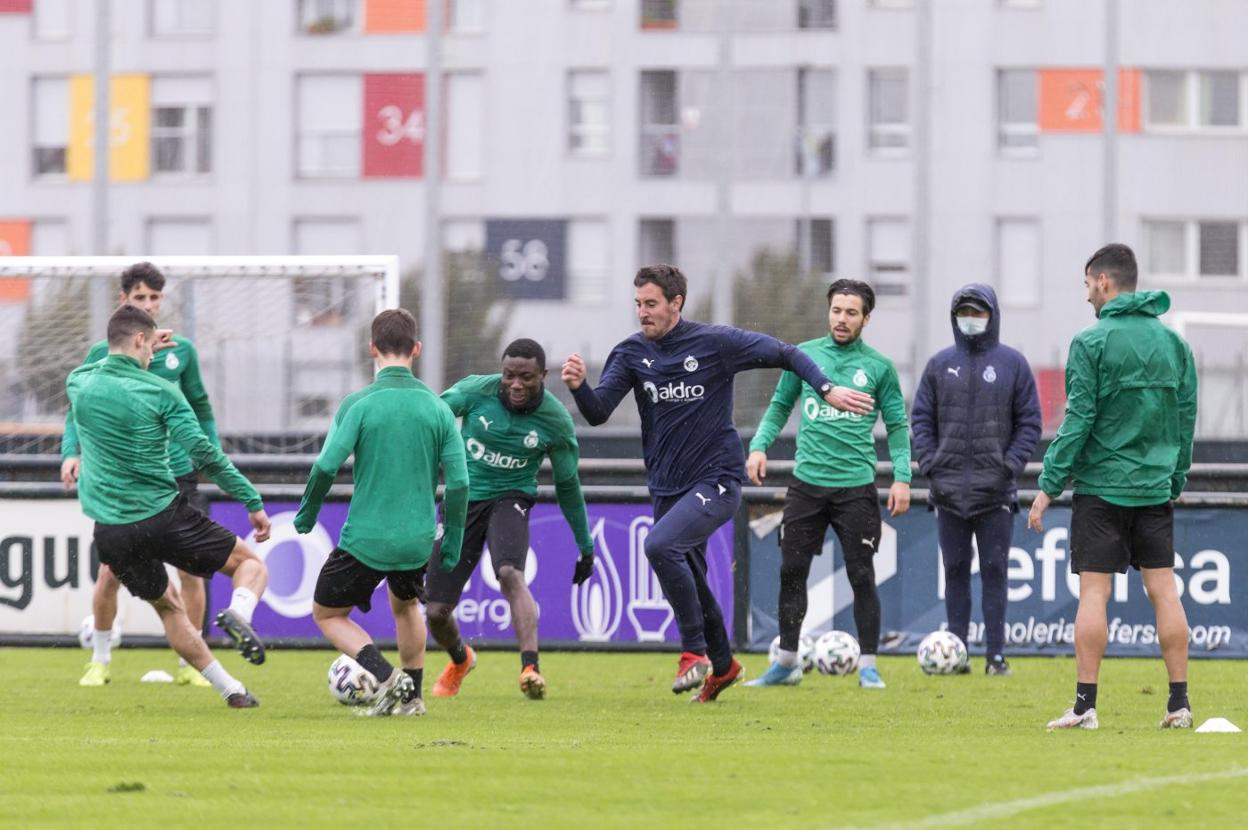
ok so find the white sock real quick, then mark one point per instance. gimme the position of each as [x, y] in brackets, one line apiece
[788, 659]
[222, 680]
[102, 646]
[244, 602]
[866, 661]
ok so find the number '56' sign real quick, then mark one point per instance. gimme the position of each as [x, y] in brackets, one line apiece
[529, 261]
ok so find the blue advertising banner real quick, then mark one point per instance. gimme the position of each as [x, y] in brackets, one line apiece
[620, 603]
[1211, 571]
[528, 257]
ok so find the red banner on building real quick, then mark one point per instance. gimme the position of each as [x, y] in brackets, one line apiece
[394, 126]
[15, 6]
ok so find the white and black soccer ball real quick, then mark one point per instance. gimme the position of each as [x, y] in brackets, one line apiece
[837, 652]
[805, 652]
[942, 652]
[350, 683]
[86, 630]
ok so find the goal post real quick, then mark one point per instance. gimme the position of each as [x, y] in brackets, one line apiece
[280, 339]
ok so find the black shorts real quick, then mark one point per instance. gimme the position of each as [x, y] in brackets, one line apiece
[188, 485]
[503, 524]
[179, 535]
[346, 581]
[852, 512]
[1107, 538]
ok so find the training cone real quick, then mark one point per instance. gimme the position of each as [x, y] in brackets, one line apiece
[161, 676]
[1218, 725]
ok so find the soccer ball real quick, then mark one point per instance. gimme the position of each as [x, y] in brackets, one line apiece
[805, 652]
[837, 652]
[941, 652]
[349, 683]
[87, 629]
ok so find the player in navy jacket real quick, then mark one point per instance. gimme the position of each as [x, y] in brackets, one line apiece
[975, 423]
[681, 375]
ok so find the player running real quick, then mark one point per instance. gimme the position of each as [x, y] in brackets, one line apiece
[509, 424]
[143, 286]
[400, 434]
[680, 373]
[125, 417]
[835, 477]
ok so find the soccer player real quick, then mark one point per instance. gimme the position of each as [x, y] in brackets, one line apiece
[142, 286]
[1126, 440]
[680, 373]
[835, 477]
[126, 417]
[509, 424]
[400, 434]
[976, 421]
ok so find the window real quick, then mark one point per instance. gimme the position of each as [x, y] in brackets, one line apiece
[182, 17]
[1193, 249]
[815, 244]
[53, 20]
[1018, 261]
[325, 17]
[656, 241]
[465, 16]
[1166, 104]
[50, 122]
[1017, 108]
[465, 125]
[179, 237]
[1212, 100]
[1219, 99]
[591, 5]
[181, 125]
[328, 112]
[589, 112]
[588, 260]
[888, 256]
[888, 100]
[658, 14]
[660, 129]
[324, 301]
[816, 14]
[816, 113]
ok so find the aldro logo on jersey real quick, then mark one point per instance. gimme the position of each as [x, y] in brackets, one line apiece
[480, 452]
[674, 392]
[817, 410]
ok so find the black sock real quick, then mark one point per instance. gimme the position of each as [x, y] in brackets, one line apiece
[528, 658]
[1178, 697]
[418, 679]
[1085, 697]
[376, 665]
[459, 654]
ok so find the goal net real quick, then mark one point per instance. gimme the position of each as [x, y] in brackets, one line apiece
[281, 340]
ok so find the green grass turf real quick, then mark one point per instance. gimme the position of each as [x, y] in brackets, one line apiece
[610, 747]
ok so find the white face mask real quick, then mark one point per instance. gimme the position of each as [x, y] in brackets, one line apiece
[971, 326]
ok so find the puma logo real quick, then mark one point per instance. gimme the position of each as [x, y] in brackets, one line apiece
[722, 489]
[484, 423]
[519, 509]
[705, 500]
[647, 362]
[953, 370]
[870, 543]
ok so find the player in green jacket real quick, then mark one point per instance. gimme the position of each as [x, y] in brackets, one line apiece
[400, 434]
[1126, 440]
[835, 477]
[143, 286]
[509, 424]
[126, 418]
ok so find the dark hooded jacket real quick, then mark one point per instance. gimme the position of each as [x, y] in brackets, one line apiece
[976, 416]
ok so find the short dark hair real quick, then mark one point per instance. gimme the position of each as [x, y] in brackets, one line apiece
[524, 347]
[394, 332]
[667, 277]
[1117, 262]
[142, 272]
[127, 321]
[857, 288]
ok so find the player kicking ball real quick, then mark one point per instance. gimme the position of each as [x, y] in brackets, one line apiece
[509, 424]
[400, 434]
[126, 418]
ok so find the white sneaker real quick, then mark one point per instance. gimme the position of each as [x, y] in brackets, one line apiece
[1178, 719]
[1069, 720]
[414, 707]
[390, 695]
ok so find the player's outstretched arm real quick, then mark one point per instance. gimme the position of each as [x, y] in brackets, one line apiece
[1187, 396]
[773, 420]
[597, 404]
[192, 383]
[70, 462]
[339, 444]
[455, 497]
[1082, 389]
[184, 429]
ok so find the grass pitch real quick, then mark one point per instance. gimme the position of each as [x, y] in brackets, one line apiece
[613, 747]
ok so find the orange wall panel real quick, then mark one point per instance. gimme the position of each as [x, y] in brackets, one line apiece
[1070, 100]
[1129, 91]
[388, 16]
[14, 241]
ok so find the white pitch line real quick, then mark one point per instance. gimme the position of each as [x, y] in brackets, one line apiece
[1003, 809]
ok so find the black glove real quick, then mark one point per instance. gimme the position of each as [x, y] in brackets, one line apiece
[584, 568]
